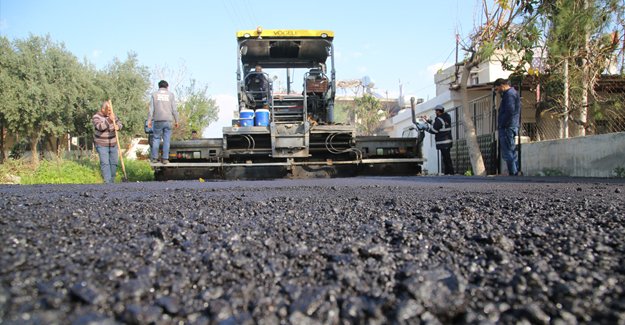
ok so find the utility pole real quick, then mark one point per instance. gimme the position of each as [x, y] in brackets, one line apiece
[565, 119]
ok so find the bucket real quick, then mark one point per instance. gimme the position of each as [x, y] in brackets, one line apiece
[246, 116]
[261, 117]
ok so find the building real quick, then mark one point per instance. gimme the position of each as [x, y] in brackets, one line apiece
[448, 94]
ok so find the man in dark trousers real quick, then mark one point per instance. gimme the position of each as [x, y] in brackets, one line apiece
[441, 128]
[508, 124]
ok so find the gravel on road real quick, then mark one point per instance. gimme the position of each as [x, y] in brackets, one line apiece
[340, 251]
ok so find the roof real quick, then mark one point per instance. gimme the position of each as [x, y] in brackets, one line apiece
[285, 33]
[284, 48]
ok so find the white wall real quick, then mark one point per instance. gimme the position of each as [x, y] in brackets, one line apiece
[396, 125]
[590, 156]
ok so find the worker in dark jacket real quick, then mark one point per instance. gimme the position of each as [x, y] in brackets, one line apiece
[441, 128]
[508, 124]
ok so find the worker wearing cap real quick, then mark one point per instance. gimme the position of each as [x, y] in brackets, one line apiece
[441, 128]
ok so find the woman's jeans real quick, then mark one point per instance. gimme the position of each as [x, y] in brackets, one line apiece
[108, 162]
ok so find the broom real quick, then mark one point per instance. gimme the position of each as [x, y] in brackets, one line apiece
[119, 150]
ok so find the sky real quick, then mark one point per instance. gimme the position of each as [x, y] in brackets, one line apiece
[392, 42]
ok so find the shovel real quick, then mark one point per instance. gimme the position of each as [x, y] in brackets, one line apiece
[119, 149]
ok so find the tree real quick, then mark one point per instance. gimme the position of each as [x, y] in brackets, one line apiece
[45, 76]
[126, 83]
[196, 108]
[582, 39]
[368, 114]
[341, 113]
[8, 87]
[495, 33]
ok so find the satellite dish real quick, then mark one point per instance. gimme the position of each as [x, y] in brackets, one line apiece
[366, 81]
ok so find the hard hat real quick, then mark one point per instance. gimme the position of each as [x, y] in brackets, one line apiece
[439, 108]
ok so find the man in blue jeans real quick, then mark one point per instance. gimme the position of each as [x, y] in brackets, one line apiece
[508, 124]
[162, 114]
[105, 141]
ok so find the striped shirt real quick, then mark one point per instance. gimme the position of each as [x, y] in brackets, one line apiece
[104, 134]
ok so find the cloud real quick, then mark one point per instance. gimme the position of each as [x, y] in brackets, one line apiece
[432, 69]
[227, 106]
[4, 24]
[362, 69]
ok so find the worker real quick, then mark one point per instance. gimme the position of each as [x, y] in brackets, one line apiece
[256, 82]
[105, 139]
[508, 124]
[162, 114]
[194, 135]
[150, 133]
[441, 128]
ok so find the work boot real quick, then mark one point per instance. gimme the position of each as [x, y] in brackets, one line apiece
[165, 161]
[153, 161]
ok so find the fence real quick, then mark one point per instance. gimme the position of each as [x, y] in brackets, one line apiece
[550, 119]
[540, 121]
[485, 120]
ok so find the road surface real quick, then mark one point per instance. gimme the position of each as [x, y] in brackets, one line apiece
[372, 250]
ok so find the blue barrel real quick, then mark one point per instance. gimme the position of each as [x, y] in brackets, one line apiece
[261, 117]
[246, 116]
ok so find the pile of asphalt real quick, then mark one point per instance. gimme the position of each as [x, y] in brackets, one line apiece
[366, 251]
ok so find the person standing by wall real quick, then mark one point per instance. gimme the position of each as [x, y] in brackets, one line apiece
[106, 142]
[508, 124]
[162, 114]
[441, 128]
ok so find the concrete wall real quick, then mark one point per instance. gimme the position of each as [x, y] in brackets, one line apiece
[590, 156]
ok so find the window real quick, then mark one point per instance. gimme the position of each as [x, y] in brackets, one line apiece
[475, 79]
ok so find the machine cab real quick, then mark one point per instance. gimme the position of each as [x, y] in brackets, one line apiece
[293, 55]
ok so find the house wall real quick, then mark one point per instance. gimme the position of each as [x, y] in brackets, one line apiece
[398, 126]
[589, 156]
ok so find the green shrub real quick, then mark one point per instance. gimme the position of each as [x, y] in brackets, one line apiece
[69, 171]
[12, 169]
[619, 172]
[137, 171]
[59, 171]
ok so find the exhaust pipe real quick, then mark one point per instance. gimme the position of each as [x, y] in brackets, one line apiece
[412, 107]
[421, 134]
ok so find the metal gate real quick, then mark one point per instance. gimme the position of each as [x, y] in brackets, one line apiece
[485, 120]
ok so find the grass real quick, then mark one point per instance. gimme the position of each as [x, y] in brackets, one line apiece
[69, 171]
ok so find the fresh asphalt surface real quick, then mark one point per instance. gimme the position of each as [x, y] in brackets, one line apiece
[318, 251]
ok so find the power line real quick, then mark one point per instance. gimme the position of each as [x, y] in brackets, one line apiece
[448, 56]
[230, 14]
[246, 5]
